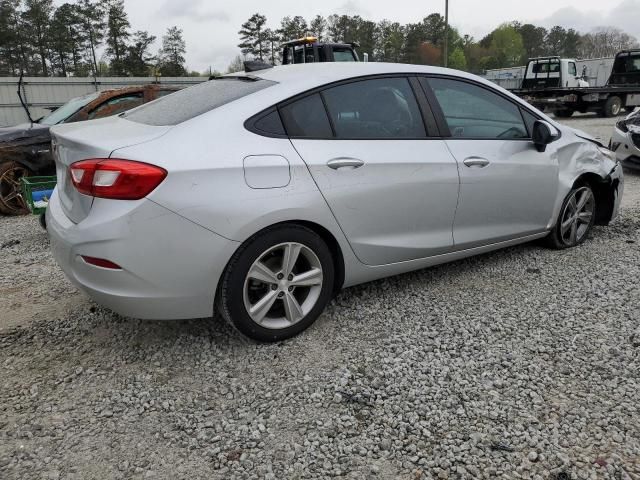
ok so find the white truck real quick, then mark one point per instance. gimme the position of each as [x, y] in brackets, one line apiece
[555, 84]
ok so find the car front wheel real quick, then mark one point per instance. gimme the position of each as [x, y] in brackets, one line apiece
[575, 220]
[277, 283]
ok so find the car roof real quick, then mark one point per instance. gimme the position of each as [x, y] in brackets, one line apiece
[291, 80]
[309, 75]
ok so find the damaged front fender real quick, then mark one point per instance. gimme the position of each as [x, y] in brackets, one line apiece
[587, 162]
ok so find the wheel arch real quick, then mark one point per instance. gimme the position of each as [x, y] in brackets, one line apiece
[328, 237]
[604, 192]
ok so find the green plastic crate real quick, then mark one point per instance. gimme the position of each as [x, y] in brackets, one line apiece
[36, 184]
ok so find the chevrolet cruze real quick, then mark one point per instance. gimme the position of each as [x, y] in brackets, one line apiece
[262, 194]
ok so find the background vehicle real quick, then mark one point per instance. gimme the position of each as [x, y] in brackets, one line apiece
[552, 72]
[309, 50]
[25, 148]
[551, 82]
[625, 141]
[272, 191]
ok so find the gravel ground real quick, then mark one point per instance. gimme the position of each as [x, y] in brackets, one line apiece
[600, 128]
[522, 363]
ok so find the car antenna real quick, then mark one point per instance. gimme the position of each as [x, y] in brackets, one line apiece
[22, 102]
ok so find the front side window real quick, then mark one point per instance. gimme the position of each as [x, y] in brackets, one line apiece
[472, 111]
[572, 69]
[117, 105]
[379, 108]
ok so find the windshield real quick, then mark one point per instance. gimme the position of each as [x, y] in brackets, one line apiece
[196, 100]
[68, 109]
[343, 55]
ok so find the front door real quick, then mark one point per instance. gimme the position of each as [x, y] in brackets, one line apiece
[392, 189]
[507, 188]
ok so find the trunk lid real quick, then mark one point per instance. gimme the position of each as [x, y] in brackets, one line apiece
[93, 139]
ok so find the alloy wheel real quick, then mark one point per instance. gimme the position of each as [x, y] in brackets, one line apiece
[577, 216]
[283, 285]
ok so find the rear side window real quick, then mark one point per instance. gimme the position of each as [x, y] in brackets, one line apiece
[572, 69]
[472, 111]
[270, 124]
[379, 108]
[306, 118]
[193, 101]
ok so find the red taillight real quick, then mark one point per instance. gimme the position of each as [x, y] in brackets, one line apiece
[115, 178]
[101, 262]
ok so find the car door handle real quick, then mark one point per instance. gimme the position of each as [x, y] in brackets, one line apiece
[342, 162]
[476, 162]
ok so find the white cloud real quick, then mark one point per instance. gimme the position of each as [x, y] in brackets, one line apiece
[211, 28]
[626, 16]
[195, 10]
[352, 7]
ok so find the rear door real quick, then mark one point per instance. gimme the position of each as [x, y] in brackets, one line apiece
[507, 187]
[392, 186]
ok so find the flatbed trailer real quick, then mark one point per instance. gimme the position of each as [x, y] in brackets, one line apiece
[607, 101]
[622, 90]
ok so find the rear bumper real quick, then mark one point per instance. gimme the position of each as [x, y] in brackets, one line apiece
[170, 266]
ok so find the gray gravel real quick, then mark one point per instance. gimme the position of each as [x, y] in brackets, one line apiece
[522, 363]
[591, 123]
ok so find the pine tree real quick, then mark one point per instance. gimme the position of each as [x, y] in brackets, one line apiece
[10, 58]
[318, 27]
[63, 33]
[172, 53]
[37, 17]
[292, 28]
[117, 35]
[91, 16]
[253, 37]
[138, 60]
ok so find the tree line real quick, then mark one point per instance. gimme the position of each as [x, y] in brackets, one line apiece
[510, 44]
[38, 39]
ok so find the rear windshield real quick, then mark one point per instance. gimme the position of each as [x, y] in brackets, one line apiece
[193, 101]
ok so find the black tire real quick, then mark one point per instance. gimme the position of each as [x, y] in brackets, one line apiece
[231, 292]
[11, 202]
[564, 112]
[612, 107]
[556, 239]
[42, 220]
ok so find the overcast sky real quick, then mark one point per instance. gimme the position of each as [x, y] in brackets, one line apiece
[211, 28]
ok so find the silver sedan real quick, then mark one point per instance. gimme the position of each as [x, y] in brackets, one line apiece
[264, 194]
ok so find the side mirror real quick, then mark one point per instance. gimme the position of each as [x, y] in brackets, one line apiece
[543, 134]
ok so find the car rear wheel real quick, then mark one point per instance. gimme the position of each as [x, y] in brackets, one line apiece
[277, 284]
[11, 202]
[576, 218]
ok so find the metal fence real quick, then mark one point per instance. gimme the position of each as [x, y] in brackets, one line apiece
[45, 93]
